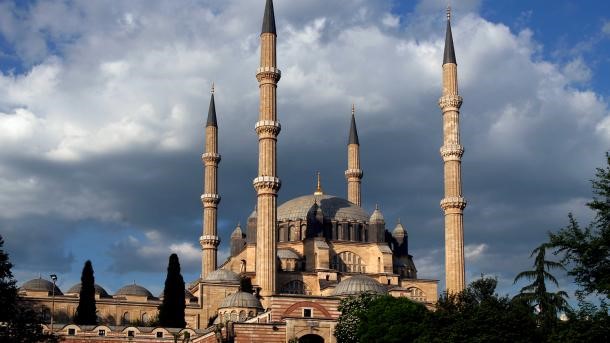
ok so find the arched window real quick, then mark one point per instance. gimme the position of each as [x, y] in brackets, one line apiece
[282, 234]
[125, 318]
[294, 234]
[347, 234]
[295, 287]
[358, 232]
[347, 261]
[145, 318]
[303, 231]
[234, 316]
[250, 314]
[416, 294]
[242, 315]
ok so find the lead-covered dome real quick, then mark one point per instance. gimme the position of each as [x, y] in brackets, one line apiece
[241, 300]
[40, 285]
[99, 290]
[333, 208]
[134, 289]
[359, 284]
[222, 275]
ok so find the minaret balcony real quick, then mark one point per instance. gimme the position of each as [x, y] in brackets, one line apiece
[268, 73]
[450, 102]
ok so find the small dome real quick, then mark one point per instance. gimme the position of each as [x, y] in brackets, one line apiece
[134, 289]
[222, 275]
[287, 254]
[399, 231]
[253, 214]
[241, 299]
[187, 295]
[359, 284]
[377, 217]
[99, 290]
[237, 233]
[40, 285]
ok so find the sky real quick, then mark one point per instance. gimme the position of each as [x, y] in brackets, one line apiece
[103, 106]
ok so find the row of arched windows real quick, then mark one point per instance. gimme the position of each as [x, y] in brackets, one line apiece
[349, 262]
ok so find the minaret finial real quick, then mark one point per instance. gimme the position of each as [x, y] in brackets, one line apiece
[449, 11]
[353, 109]
[377, 207]
[212, 87]
[319, 186]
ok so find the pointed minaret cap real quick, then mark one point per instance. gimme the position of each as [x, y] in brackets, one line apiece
[212, 111]
[449, 56]
[269, 18]
[353, 132]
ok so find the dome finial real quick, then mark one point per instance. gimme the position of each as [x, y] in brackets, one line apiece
[377, 207]
[319, 186]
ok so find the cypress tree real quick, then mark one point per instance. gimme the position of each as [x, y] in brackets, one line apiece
[86, 311]
[171, 310]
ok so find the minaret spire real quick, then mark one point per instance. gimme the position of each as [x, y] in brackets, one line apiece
[267, 184]
[453, 203]
[353, 174]
[269, 18]
[209, 240]
[449, 55]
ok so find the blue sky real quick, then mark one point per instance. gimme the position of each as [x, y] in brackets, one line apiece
[102, 105]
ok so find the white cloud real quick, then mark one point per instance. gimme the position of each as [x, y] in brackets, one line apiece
[606, 28]
[474, 252]
[577, 71]
[391, 21]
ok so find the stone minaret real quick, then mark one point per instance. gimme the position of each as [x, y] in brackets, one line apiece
[209, 240]
[453, 203]
[267, 184]
[353, 174]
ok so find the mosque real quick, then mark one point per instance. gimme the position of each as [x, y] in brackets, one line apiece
[301, 256]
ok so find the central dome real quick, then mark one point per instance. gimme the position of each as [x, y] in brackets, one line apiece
[333, 208]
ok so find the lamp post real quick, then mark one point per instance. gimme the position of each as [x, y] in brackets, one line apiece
[54, 278]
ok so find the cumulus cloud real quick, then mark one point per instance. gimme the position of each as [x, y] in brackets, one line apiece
[105, 123]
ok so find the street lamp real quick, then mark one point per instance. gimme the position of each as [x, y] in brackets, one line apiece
[54, 278]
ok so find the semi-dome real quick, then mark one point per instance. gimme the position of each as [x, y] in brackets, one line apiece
[222, 275]
[99, 290]
[40, 285]
[359, 284]
[241, 299]
[333, 208]
[134, 289]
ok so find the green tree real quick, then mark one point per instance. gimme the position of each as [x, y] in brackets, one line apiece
[171, 310]
[352, 310]
[19, 321]
[587, 250]
[589, 324]
[478, 314]
[86, 311]
[389, 319]
[8, 289]
[548, 304]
